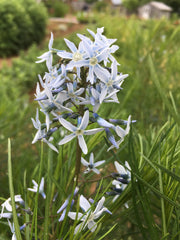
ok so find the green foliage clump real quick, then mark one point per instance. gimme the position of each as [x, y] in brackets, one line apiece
[100, 6]
[60, 9]
[38, 15]
[57, 8]
[132, 5]
[85, 17]
[90, 1]
[21, 24]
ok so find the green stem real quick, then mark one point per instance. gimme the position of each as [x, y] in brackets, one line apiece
[78, 162]
[11, 188]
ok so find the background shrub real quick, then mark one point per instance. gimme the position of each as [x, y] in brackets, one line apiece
[60, 9]
[38, 15]
[21, 23]
[57, 8]
[100, 6]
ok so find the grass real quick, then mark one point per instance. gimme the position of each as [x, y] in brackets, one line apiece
[151, 96]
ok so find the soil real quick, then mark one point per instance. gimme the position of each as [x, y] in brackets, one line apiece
[61, 27]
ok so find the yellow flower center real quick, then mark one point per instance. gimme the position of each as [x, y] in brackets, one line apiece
[93, 61]
[77, 56]
[109, 83]
[79, 132]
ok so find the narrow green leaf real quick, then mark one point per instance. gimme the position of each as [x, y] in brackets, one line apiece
[11, 188]
[110, 230]
[170, 173]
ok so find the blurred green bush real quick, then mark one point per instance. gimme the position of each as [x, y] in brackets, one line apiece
[21, 24]
[100, 6]
[85, 17]
[57, 8]
[60, 9]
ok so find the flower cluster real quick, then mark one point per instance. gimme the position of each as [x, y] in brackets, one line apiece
[72, 91]
[70, 95]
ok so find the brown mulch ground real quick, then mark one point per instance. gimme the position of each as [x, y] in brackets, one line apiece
[61, 27]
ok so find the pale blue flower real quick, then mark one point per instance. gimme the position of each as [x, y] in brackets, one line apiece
[92, 202]
[73, 93]
[122, 132]
[92, 62]
[52, 104]
[88, 217]
[113, 80]
[98, 96]
[102, 42]
[91, 165]
[11, 225]
[47, 56]
[77, 54]
[102, 122]
[78, 131]
[120, 121]
[41, 187]
[7, 204]
[41, 128]
[124, 173]
[63, 208]
[111, 138]
[42, 134]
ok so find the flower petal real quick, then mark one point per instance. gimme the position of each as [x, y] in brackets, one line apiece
[93, 131]
[85, 120]
[91, 159]
[65, 55]
[96, 170]
[97, 164]
[82, 144]
[67, 139]
[70, 45]
[51, 41]
[121, 170]
[99, 205]
[84, 162]
[84, 204]
[67, 125]
[63, 206]
[92, 226]
[72, 215]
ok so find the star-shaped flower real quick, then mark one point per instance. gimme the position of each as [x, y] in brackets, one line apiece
[63, 208]
[91, 166]
[78, 131]
[47, 56]
[88, 217]
[41, 188]
[7, 204]
[122, 133]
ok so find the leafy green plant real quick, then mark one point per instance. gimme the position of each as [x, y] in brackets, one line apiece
[58, 8]
[20, 25]
[100, 6]
[15, 28]
[38, 15]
